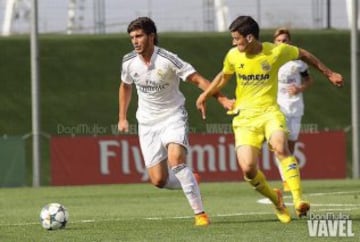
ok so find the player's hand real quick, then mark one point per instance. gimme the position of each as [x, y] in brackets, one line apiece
[336, 79]
[227, 103]
[123, 126]
[293, 89]
[201, 105]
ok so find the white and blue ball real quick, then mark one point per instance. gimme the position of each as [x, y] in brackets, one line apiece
[54, 216]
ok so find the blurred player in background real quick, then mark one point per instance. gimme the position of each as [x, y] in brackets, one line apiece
[294, 79]
[161, 114]
[258, 116]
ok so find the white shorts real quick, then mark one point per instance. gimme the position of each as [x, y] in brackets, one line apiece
[155, 138]
[294, 125]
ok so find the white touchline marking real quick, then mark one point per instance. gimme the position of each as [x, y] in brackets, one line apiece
[148, 218]
[335, 205]
[88, 221]
[217, 215]
[329, 193]
[242, 214]
[351, 206]
[335, 209]
[33, 223]
[19, 224]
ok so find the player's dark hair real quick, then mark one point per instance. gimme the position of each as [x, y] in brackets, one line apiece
[245, 25]
[146, 24]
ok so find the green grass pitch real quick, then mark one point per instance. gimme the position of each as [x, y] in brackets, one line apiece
[141, 212]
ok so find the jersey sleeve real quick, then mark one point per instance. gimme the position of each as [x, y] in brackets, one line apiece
[182, 68]
[185, 70]
[289, 52]
[228, 67]
[303, 66]
[125, 75]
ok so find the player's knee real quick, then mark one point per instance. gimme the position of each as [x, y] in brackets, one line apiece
[282, 152]
[159, 182]
[279, 144]
[280, 149]
[249, 170]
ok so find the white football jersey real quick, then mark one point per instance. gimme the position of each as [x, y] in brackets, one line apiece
[157, 84]
[289, 73]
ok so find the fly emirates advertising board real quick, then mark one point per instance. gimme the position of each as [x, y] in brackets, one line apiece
[117, 159]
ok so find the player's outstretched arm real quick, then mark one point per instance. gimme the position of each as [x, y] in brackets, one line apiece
[219, 81]
[204, 84]
[124, 101]
[334, 77]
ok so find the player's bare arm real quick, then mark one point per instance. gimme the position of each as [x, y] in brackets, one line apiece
[219, 82]
[124, 101]
[334, 77]
[203, 84]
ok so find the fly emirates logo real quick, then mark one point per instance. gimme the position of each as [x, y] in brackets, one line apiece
[213, 155]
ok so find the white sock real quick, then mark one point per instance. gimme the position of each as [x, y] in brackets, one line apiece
[172, 181]
[279, 167]
[189, 186]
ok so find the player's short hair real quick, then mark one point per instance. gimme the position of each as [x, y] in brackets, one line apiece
[146, 24]
[281, 31]
[245, 25]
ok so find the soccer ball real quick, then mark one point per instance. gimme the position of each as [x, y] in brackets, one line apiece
[54, 216]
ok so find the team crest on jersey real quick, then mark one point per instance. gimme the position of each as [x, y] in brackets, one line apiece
[160, 73]
[265, 66]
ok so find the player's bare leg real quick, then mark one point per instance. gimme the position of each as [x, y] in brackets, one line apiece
[161, 177]
[247, 157]
[189, 184]
[291, 171]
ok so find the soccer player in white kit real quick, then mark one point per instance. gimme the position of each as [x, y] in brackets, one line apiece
[294, 79]
[161, 114]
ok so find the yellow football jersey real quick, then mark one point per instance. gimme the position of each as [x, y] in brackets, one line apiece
[256, 75]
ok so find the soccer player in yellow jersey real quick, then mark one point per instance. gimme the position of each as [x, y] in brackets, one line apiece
[258, 117]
